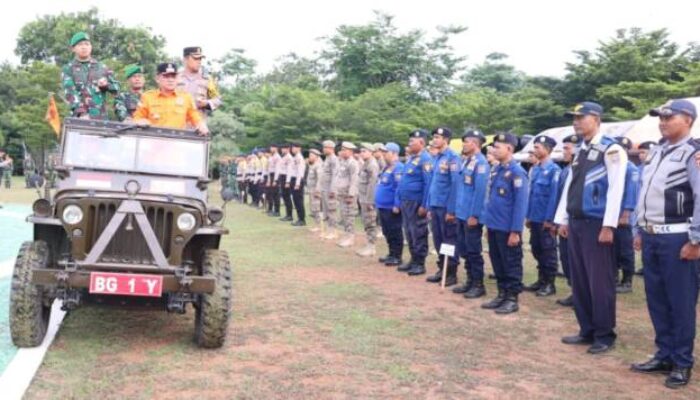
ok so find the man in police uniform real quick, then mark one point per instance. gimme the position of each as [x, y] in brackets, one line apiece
[345, 185]
[313, 184]
[126, 102]
[570, 144]
[471, 195]
[413, 195]
[296, 183]
[329, 196]
[588, 214]
[272, 188]
[504, 218]
[195, 81]
[542, 204]
[284, 170]
[623, 238]
[442, 198]
[387, 202]
[369, 173]
[668, 219]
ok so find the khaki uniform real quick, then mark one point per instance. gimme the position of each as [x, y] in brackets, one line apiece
[367, 182]
[346, 186]
[313, 184]
[329, 197]
[201, 87]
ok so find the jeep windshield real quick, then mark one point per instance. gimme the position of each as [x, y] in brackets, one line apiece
[143, 154]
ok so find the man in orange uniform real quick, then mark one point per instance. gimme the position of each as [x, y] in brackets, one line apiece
[168, 107]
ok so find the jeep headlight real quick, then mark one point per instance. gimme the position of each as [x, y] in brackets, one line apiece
[72, 214]
[186, 222]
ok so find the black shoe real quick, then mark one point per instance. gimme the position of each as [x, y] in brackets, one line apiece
[287, 219]
[492, 277]
[496, 302]
[535, 286]
[509, 305]
[299, 223]
[576, 339]
[392, 261]
[405, 267]
[449, 280]
[437, 278]
[416, 270]
[625, 286]
[639, 271]
[600, 348]
[678, 377]
[477, 290]
[653, 366]
[275, 214]
[566, 302]
[463, 288]
[560, 274]
[383, 259]
[547, 289]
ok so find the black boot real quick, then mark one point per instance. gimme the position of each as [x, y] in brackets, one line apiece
[299, 223]
[547, 288]
[392, 261]
[678, 377]
[383, 259]
[437, 278]
[405, 267]
[567, 301]
[496, 302]
[625, 285]
[537, 285]
[509, 305]
[463, 288]
[477, 290]
[417, 269]
[451, 278]
[287, 219]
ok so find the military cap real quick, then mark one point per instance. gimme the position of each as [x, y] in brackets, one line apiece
[167, 68]
[392, 147]
[315, 151]
[573, 139]
[348, 145]
[508, 138]
[194, 51]
[294, 144]
[379, 147]
[625, 142]
[366, 146]
[586, 108]
[284, 145]
[474, 133]
[273, 146]
[546, 141]
[328, 143]
[132, 70]
[418, 133]
[647, 145]
[674, 107]
[79, 37]
[444, 132]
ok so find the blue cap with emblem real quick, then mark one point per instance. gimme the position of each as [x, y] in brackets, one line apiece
[507, 138]
[647, 145]
[573, 139]
[625, 142]
[474, 133]
[674, 107]
[418, 133]
[546, 141]
[444, 132]
[586, 108]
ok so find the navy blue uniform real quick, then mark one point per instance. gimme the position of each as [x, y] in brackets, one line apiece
[624, 239]
[564, 242]
[413, 194]
[442, 200]
[506, 207]
[544, 184]
[471, 196]
[386, 198]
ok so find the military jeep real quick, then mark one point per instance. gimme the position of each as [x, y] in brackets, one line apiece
[129, 225]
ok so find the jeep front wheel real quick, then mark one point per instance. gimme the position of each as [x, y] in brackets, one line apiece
[213, 310]
[29, 316]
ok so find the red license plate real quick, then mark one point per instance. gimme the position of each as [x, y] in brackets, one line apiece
[126, 284]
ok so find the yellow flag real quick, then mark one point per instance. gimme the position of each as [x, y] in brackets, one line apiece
[52, 116]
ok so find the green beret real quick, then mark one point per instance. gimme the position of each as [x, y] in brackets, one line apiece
[132, 70]
[79, 37]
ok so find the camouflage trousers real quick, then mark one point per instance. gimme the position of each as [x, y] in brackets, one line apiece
[369, 221]
[315, 206]
[330, 210]
[348, 212]
[7, 177]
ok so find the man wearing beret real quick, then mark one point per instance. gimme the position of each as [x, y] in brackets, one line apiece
[168, 107]
[345, 185]
[623, 236]
[313, 184]
[195, 81]
[588, 213]
[369, 173]
[570, 144]
[506, 207]
[442, 197]
[87, 81]
[413, 195]
[668, 234]
[542, 204]
[126, 102]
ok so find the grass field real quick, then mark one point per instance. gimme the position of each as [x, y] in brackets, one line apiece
[313, 321]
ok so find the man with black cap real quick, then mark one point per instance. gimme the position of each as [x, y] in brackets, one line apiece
[570, 144]
[588, 214]
[195, 81]
[87, 81]
[668, 233]
[168, 107]
[542, 204]
[285, 169]
[296, 183]
[623, 238]
[504, 218]
[272, 190]
[126, 102]
[471, 195]
[442, 198]
[413, 195]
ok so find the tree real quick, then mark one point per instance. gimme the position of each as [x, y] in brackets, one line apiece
[234, 66]
[494, 73]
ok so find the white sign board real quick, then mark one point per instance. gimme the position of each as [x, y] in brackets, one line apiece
[447, 249]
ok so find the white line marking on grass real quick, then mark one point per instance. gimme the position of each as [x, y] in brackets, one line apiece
[21, 370]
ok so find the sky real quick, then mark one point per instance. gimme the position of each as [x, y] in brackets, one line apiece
[539, 36]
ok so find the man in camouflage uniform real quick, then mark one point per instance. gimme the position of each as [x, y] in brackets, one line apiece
[199, 84]
[127, 101]
[313, 184]
[369, 172]
[378, 154]
[329, 197]
[6, 168]
[87, 81]
[346, 186]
